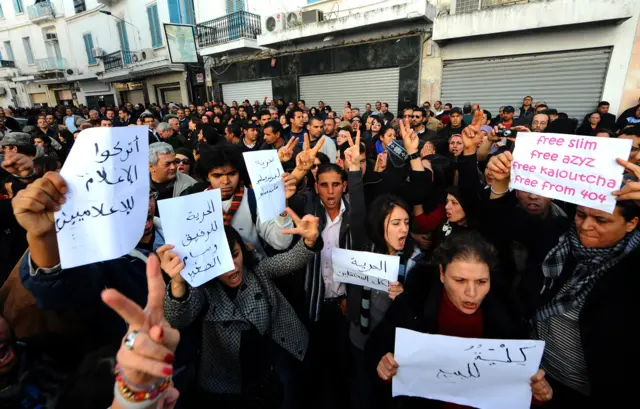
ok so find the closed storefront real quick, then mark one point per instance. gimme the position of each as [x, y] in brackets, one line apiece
[132, 92]
[39, 99]
[570, 81]
[251, 90]
[98, 94]
[357, 87]
[169, 95]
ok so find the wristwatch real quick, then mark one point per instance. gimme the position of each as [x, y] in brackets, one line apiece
[413, 156]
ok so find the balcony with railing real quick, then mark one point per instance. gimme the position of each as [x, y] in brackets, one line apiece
[50, 64]
[43, 11]
[7, 64]
[235, 26]
[117, 60]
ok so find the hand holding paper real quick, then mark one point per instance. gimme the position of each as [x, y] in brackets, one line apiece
[371, 270]
[108, 195]
[483, 373]
[193, 225]
[265, 171]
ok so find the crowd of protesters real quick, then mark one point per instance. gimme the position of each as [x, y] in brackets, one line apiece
[430, 186]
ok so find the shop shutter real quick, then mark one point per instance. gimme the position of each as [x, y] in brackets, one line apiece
[570, 82]
[172, 95]
[251, 90]
[357, 87]
[40, 98]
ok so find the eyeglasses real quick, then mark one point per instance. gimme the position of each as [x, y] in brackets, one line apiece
[184, 161]
[315, 166]
[417, 116]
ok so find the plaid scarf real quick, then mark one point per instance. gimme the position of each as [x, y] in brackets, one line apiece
[235, 204]
[591, 264]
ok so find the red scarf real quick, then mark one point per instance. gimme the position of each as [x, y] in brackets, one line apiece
[455, 323]
[235, 204]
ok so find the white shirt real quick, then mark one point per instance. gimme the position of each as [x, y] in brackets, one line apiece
[331, 239]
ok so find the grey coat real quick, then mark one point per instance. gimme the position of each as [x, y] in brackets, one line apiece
[258, 303]
[182, 183]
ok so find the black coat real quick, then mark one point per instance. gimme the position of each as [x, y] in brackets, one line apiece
[601, 322]
[417, 309]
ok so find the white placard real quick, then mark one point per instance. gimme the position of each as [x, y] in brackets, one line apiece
[193, 224]
[576, 169]
[265, 171]
[107, 175]
[483, 373]
[371, 270]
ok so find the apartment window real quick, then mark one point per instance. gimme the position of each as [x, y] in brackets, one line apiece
[88, 48]
[181, 12]
[17, 5]
[9, 51]
[1, 12]
[233, 6]
[154, 25]
[79, 6]
[26, 42]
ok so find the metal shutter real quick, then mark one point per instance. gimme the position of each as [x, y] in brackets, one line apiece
[40, 98]
[172, 95]
[357, 87]
[570, 82]
[251, 90]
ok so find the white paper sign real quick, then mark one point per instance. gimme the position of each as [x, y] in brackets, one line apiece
[483, 373]
[107, 175]
[265, 171]
[576, 169]
[363, 268]
[193, 224]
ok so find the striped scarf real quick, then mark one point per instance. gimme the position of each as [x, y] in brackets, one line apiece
[235, 204]
[591, 264]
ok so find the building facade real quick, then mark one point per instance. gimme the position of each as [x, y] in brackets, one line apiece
[91, 52]
[569, 53]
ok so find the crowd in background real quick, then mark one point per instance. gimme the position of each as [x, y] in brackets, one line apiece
[429, 185]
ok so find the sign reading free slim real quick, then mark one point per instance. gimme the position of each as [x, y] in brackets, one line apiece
[577, 169]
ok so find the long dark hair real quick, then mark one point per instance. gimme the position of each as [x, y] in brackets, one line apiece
[466, 246]
[382, 207]
[234, 237]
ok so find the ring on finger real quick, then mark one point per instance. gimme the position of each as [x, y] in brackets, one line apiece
[130, 340]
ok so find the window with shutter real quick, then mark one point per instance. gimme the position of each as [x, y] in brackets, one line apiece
[88, 47]
[17, 5]
[9, 51]
[174, 11]
[154, 25]
[26, 42]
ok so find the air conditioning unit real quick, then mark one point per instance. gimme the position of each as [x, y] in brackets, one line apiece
[273, 24]
[51, 37]
[97, 52]
[312, 16]
[71, 71]
[147, 54]
[293, 19]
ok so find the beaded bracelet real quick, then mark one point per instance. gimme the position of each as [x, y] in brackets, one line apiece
[120, 376]
[499, 193]
[138, 396]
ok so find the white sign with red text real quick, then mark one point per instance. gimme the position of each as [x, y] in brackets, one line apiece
[573, 168]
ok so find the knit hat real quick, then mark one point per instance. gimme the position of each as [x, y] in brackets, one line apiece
[16, 139]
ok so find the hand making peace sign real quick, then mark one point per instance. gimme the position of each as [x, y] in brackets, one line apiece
[147, 352]
[285, 153]
[307, 227]
[471, 135]
[304, 160]
[409, 136]
[352, 153]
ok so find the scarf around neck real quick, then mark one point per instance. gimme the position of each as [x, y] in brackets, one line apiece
[591, 264]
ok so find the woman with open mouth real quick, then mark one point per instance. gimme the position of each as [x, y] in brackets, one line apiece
[456, 301]
[240, 313]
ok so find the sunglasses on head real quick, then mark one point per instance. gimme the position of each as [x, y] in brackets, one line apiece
[184, 161]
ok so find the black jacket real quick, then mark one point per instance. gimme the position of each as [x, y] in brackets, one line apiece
[417, 309]
[602, 323]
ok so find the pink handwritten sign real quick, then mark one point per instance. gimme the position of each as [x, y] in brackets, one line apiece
[576, 169]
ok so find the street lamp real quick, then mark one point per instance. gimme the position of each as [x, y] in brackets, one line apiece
[108, 13]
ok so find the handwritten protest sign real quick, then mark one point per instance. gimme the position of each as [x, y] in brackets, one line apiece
[265, 171]
[573, 168]
[366, 269]
[108, 195]
[193, 224]
[483, 373]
